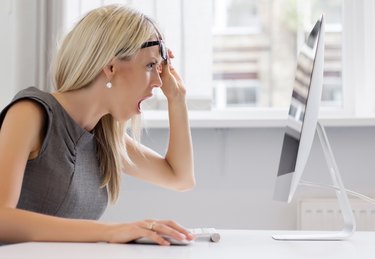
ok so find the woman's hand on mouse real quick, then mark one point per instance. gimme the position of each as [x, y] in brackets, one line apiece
[152, 229]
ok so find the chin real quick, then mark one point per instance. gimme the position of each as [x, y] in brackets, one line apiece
[124, 116]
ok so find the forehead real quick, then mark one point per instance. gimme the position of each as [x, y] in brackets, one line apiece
[149, 52]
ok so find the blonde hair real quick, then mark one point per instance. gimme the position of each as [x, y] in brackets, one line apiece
[104, 33]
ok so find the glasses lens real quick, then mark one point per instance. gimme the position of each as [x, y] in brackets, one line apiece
[163, 51]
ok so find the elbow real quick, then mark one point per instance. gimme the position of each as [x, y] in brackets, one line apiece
[186, 185]
[185, 188]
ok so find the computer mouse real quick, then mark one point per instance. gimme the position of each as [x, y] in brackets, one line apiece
[171, 240]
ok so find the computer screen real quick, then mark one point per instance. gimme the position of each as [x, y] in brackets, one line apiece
[303, 114]
[299, 135]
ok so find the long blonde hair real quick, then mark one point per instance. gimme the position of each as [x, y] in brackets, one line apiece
[102, 34]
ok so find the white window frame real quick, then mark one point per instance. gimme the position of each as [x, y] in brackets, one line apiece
[359, 58]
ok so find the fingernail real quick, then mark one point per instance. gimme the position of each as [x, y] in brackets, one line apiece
[182, 236]
[191, 236]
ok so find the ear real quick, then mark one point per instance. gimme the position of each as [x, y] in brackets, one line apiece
[109, 70]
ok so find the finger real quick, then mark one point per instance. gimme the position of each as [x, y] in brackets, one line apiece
[154, 236]
[170, 53]
[175, 74]
[170, 232]
[183, 230]
[176, 230]
[166, 71]
[162, 227]
[165, 68]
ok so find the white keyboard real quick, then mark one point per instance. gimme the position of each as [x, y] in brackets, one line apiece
[209, 234]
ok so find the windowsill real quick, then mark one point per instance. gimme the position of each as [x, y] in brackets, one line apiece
[247, 119]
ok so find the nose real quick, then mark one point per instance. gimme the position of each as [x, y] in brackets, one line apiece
[156, 80]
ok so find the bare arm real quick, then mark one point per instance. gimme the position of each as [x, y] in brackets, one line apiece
[20, 139]
[180, 148]
[176, 169]
[21, 226]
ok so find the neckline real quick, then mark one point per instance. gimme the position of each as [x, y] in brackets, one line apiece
[75, 124]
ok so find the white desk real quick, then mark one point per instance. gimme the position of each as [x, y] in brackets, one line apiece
[233, 244]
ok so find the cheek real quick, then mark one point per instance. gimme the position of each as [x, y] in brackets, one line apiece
[142, 81]
[133, 82]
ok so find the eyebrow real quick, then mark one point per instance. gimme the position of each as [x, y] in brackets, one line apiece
[159, 60]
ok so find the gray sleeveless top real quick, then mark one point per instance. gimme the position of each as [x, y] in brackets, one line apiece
[64, 179]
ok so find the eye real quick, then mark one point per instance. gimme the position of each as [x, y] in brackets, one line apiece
[151, 65]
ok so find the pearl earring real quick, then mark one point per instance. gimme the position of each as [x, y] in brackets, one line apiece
[108, 85]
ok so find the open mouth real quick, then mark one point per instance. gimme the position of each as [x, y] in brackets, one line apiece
[139, 106]
[140, 102]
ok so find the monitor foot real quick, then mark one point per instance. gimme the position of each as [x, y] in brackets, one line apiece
[314, 236]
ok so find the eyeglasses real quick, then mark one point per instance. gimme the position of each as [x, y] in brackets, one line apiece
[163, 48]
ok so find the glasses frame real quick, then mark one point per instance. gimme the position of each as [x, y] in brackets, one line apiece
[163, 48]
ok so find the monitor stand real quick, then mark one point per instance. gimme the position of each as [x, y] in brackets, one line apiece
[342, 197]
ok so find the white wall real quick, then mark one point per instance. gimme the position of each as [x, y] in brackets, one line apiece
[235, 172]
[19, 46]
[6, 49]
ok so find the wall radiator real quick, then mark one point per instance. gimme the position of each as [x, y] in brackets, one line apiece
[324, 214]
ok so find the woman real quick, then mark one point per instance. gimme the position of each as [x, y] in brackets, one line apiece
[60, 153]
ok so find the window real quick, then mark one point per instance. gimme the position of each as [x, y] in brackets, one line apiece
[241, 54]
[255, 45]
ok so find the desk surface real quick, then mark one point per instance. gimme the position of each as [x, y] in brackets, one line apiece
[233, 244]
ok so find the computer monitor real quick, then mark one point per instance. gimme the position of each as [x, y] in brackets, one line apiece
[303, 114]
[300, 131]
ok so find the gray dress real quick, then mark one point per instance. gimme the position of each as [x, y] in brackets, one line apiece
[64, 179]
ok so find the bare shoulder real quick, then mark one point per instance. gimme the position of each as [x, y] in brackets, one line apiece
[24, 121]
[25, 112]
